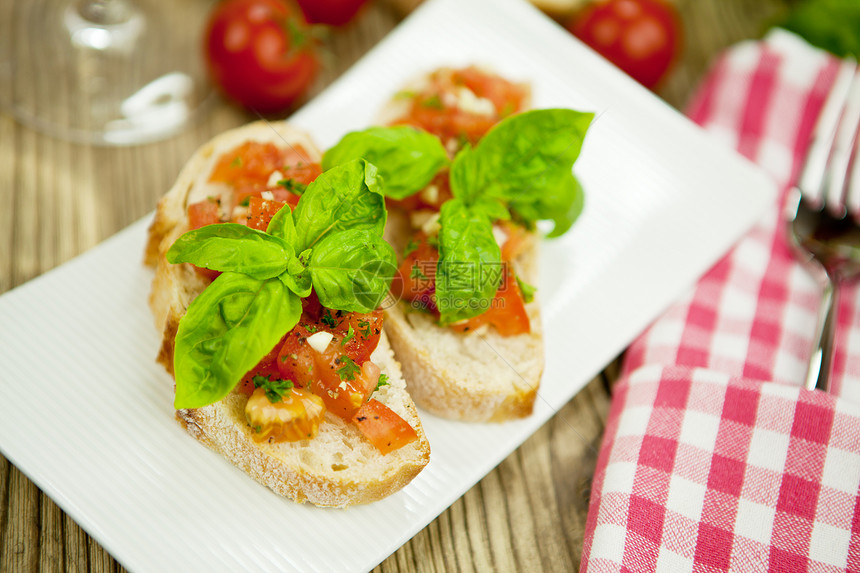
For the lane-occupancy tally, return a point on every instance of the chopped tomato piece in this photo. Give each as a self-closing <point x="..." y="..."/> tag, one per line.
<point x="342" y="374"/>
<point x="462" y="105"/>
<point x="252" y="163"/>
<point x="507" y="310"/>
<point x="301" y="172"/>
<point x="202" y="213"/>
<point x="383" y="427"/>
<point x="515" y="240"/>
<point x="416" y="277"/>
<point x="431" y="197"/>
<point x="261" y="211"/>
<point x="507" y="97"/>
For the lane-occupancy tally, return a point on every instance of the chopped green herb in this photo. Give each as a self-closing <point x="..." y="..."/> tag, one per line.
<point x="411" y="247"/>
<point x="349" y="334"/>
<point x="433" y="241"/>
<point x="383" y="381"/>
<point x="433" y="102"/>
<point x="364" y="328"/>
<point x="293" y="186"/>
<point x="349" y="368"/>
<point x="527" y="290"/>
<point x="310" y="328"/>
<point x="328" y="320"/>
<point x="274" y="389"/>
<point x="246" y="202"/>
<point x="237" y="162"/>
<point x="405" y="94"/>
<point x="417" y="274"/>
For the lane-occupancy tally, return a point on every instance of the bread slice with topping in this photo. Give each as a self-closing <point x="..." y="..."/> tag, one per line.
<point x="478" y="376"/>
<point x="339" y="466"/>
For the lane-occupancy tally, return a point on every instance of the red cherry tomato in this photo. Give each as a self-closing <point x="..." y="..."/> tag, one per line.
<point x="641" y="37"/>
<point x="260" y="54"/>
<point x="332" y="12"/>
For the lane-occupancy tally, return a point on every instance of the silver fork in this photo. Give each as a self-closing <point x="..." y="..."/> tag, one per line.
<point x="823" y="212"/>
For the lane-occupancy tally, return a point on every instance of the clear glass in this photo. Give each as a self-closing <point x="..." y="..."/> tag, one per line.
<point x="109" y="72"/>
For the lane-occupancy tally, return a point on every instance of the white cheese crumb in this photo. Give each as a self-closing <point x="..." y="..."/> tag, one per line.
<point x="499" y="235"/>
<point x="319" y="341"/>
<point x="469" y="102"/>
<point x="274" y="178"/>
<point x="267" y="195"/>
<point x="430" y="194"/>
<point x="431" y="226"/>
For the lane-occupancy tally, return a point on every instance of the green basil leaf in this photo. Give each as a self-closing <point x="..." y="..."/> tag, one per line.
<point x="352" y="270"/>
<point x="493" y="208"/>
<point x="344" y="197"/>
<point x="563" y="206"/>
<point x="229" y="247"/>
<point x="282" y="226"/>
<point x="227" y="330"/>
<point x="407" y="158"/>
<point x="470" y="264"/>
<point x="526" y="159"/>
<point x="828" y="24"/>
<point x="297" y="278"/>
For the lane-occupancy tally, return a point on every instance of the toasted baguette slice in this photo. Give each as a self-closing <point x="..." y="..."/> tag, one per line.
<point x="337" y="468"/>
<point x="479" y="376"/>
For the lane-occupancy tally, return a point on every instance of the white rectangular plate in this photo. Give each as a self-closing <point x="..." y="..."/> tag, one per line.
<point x="86" y="413"/>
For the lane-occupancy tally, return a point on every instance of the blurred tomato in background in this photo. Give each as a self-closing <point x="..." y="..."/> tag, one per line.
<point x="331" y="12"/>
<point x="260" y="53"/>
<point x="642" y="37"/>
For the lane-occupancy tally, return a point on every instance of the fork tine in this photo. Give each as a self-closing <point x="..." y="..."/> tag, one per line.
<point x="837" y="193"/>
<point x="812" y="177"/>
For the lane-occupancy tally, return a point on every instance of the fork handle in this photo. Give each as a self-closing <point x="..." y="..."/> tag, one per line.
<point x="821" y="362"/>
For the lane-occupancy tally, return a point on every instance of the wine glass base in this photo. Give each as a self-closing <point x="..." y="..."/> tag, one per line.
<point x="124" y="76"/>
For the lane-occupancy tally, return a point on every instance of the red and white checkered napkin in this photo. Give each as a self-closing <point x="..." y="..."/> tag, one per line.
<point x="714" y="458"/>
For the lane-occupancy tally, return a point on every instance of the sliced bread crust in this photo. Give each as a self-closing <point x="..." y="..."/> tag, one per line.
<point x="337" y="468"/>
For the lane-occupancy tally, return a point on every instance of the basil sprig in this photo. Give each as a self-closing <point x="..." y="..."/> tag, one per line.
<point x="332" y="243"/>
<point x="525" y="163"/>
<point x="522" y="168"/>
<point x="408" y="158"/>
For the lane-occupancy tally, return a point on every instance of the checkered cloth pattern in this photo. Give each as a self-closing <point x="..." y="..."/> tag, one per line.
<point x="714" y="458"/>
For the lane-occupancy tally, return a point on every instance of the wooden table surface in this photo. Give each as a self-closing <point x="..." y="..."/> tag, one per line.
<point x="528" y="514"/>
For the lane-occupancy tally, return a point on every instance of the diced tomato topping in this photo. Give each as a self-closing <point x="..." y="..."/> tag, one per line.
<point x="515" y="241"/>
<point x="427" y="198"/>
<point x="415" y="282"/>
<point x="507" y="97"/>
<point x="248" y="167"/>
<point x="342" y="375"/>
<point x="416" y="277"/>
<point x="252" y="163"/>
<point x="435" y="109"/>
<point x="261" y="211"/>
<point x="507" y="310"/>
<point x="383" y="427"/>
<point x="201" y="214"/>
<point x="301" y="172"/>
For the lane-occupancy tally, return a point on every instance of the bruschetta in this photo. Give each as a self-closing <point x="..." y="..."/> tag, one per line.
<point x="470" y="172"/>
<point x="268" y="278"/>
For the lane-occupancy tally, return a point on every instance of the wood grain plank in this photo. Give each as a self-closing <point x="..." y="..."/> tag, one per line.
<point x="20" y="544"/>
<point x="75" y="542"/>
<point x="51" y="550"/>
